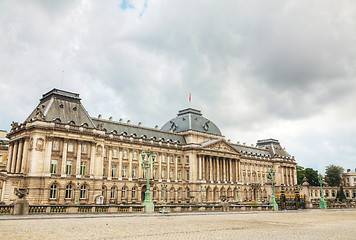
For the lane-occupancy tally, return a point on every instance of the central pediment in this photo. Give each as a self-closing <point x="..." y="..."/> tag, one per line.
<point x="219" y="145"/>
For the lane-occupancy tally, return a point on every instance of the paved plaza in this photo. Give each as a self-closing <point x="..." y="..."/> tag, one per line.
<point x="302" y="224"/>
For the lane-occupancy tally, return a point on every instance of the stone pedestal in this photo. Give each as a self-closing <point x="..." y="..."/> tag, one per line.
<point x="149" y="207"/>
<point x="21" y="207"/>
<point x="225" y="206"/>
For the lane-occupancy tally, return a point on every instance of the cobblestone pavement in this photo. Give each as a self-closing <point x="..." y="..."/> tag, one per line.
<point x="302" y="224"/>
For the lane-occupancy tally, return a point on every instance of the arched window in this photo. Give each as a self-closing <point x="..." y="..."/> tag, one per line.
<point x="83" y="192"/>
<point x="112" y="195"/>
<point x="69" y="191"/>
<point x="123" y="193"/>
<point x="171" y="193"/>
<point x="188" y="193"/>
<point x="53" y="191"/>
<point x="133" y="193"/>
<point x="154" y="193"/>
<point x="179" y="193"/>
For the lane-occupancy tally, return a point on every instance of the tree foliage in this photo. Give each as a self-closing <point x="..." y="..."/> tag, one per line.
<point x="340" y="196"/>
<point x="333" y="175"/>
<point x="309" y="173"/>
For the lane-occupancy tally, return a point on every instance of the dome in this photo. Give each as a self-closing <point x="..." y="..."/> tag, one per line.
<point x="191" y="119"/>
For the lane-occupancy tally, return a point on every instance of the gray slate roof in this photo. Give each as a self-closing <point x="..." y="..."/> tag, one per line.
<point x="61" y="106"/>
<point x="129" y="130"/>
<point x="191" y="119"/>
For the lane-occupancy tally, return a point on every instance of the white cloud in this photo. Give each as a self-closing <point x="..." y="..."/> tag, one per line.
<point x="280" y="69"/>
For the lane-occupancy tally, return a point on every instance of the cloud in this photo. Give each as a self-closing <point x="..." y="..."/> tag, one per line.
<point x="280" y="69"/>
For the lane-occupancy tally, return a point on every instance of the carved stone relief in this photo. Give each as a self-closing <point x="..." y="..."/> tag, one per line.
<point x="39" y="144"/>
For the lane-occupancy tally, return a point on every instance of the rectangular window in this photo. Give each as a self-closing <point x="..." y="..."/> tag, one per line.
<point x="69" y="191"/>
<point x="171" y="174"/>
<point x="187" y="175"/>
<point x="123" y="171"/>
<point x="133" y="193"/>
<point x="55" y="145"/>
<point x="104" y="169"/>
<point x="187" y="160"/>
<point x="171" y="159"/>
<point x="112" y="195"/>
<point x="113" y="171"/>
<point x="154" y="173"/>
<point x="163" y="158"/>
<point x="82" y="168"/>
<point x="134" y="171"/>
<point x="178" y="159"/>
<point x="54" y="166"/>
<point x="114" y="153"/>
<point x="124" y="155"/>
<point x="70" y="147"/>
<point x="135" y="155"/>
<point x="69" y="167"/>
<point x="163" y="173"/>
<point x="179" y="175"/>
<point x="84" y="148"/>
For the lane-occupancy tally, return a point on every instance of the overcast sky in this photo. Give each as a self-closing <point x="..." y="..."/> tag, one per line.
<point x="258" y="69"/>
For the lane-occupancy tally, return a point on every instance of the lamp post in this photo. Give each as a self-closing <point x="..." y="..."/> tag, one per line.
<point x="203" y="189"/>
<point x="271" y="174"/>
<point x="77" y="198"/>
<point x="164" y="188"/>
<point x="322" y="202"/>
<point x="146" y="160"/>
<point x="239" y="194"/>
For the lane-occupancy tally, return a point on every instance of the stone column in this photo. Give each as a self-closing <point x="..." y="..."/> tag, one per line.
<point x="9" y="161"/>
<point x="140" y="173"/>
<point x="14" y="154"/>
<point x="210" y="168"/>
<point x="283" y="180"/>
<point x="240" y="172"/>
<point x="19" y="157"/>
<point x="175" y="159"/>
<point x="120" y="163"/>
<point x="48" y="156"/>
<point x="230" y="165"/>
<point x="168" y="160"/>
<point x="130" y="152"/>
<point x="218" y="169"/>
<point x="159" y="157"/>
<point x="64" y="157"/>
<point x="203" y="167"/>
<point x="109" y="163"/>
<point x="79" y="155"/>
<point x="224" y="169"/>
<point x="200" y="168"/>
<point x="92" y="159"/>
<point x="24" y="156"/>
<point x="295" y="176"/>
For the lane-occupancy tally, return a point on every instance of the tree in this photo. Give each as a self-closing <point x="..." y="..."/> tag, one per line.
<point x="340" y="196"/>
<point x="309" y="173"/>
<point x="300" y="175"/>
<point x="333" y="175"/>
<point x="312" y="176"/>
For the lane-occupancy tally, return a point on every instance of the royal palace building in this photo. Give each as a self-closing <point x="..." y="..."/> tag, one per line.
<point x="61" y="154"/>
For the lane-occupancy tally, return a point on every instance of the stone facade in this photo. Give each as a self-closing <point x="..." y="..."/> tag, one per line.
<point x="60" y="154"/>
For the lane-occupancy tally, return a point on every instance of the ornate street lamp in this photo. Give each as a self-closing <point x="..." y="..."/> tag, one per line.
<point x="239" y="194"/>
<point x="146" y="160"/>
<point x="322" y="202"/>
<point x="271" y="174"/>
<point x="164" y="188"/>
<point x="203" y="191"/>
<point x="77" y="198"/>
